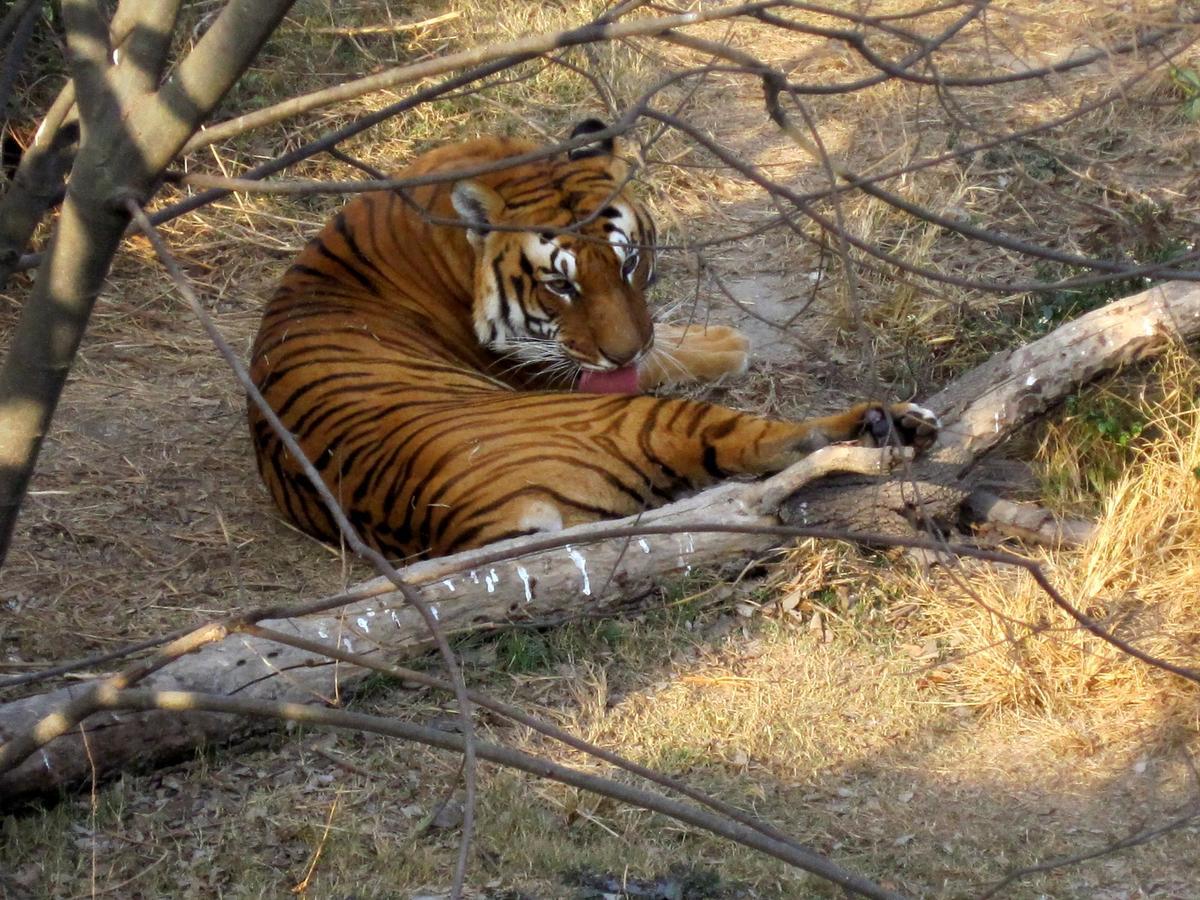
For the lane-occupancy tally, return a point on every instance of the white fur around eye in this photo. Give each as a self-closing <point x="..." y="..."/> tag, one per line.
<point x="552" y="261"/>
<point x="625" y="236"/>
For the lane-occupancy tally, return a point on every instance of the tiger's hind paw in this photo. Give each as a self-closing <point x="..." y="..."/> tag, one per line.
<point x="900" y="424"/>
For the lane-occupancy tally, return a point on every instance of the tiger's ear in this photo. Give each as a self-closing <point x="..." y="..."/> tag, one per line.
<point x="478" y="205"/>
<point x="617" y="167"/>
<point x="600" y="148"/>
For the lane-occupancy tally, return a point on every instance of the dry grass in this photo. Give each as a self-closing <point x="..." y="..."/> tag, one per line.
<point x="933" y="732"/>
<point x="1138" y="576"/>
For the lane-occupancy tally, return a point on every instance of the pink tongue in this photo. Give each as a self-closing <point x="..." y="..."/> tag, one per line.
<point x="616" y="381"/>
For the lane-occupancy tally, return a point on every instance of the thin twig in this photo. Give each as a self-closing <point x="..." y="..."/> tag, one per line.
<point x="1125" y="843"/>
<point x="592" y="32"/>
<point x="393" y="28"/>
<point x="87" y="662"/>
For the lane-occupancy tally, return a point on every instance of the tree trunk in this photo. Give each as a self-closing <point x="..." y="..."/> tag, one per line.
<point x="131" y="130"/>
<point x="476" y="590"/>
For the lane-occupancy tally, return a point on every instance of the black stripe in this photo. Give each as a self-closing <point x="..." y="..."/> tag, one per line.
<point x="339" y="224"/>
<point x="709" y="459"/>
<point x="282" y="409"/>
<point x="649" y="425"/>
<point x="505" y="311"/>
<point x="352" y="271"/>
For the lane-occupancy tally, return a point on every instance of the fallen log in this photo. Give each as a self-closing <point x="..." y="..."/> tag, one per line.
<point x="510" y="582"/>
<point x="479" y="589"/>
<point x="985" y="406"/>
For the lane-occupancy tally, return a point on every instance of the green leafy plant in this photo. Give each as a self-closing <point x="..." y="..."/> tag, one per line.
<point x="1187" y="80"/>
<point x="522" y="652"/>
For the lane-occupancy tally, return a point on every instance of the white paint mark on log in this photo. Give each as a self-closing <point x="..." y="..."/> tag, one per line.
<point x="645" y="546"/>
<point x="581" y="564"/>
<point x="363" y="623"/>
<point x="450" y="584"/>
<point x="524" y="576"/>
<point x="684" y="546"/>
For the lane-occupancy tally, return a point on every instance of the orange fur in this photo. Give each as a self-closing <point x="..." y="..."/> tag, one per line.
<point x="416" y="362"/>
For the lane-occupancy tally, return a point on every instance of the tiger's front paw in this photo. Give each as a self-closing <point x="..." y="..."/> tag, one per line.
<point x="685" y="354"/>
<point x="900" y="424"/>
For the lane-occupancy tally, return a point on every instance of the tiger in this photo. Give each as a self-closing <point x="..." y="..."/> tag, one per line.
<point x="472" y="359"/>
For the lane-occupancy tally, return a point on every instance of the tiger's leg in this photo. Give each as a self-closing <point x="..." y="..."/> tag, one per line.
<point x="712" y="442"/>
<point x="684" y="354"/>
<point x="584" y="458"/>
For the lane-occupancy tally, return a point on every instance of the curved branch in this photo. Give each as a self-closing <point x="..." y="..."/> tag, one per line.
<point x="773" y="85"/>
<point x="202" y="78"/>
<point x="539" y="725"/>
<point x="775" y="189"/>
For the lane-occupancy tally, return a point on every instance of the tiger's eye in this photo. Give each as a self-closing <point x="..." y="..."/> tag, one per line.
<point x="630" y="265"/>
<point x="561" y="286"/>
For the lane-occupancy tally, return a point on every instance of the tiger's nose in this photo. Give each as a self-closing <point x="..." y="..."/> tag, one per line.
<point x="622" y="357"/>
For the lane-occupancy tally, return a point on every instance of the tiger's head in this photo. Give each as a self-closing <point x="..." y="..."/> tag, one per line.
<point x="563" y="257"/>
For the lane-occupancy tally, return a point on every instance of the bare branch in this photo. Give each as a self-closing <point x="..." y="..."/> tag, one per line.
<point x="202" y="78"/>
<point x="903" y="71"/>
<point x="14" y="55"/>
<point x="393" y="28"/>
<point x="1138" y="838"/>
<point x="90" y="57"/>
<point x="141" y="59"/>
<point x="38" y="182"/>
<point x="144" y="133"/>
<point x="14" y="17"/>
<point x="772" y="88"/>
<point x="542" y="727"/>
<point x="984" y="407"/>
<point x="752" y="172"/>
<point x="1025" y="521"/>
